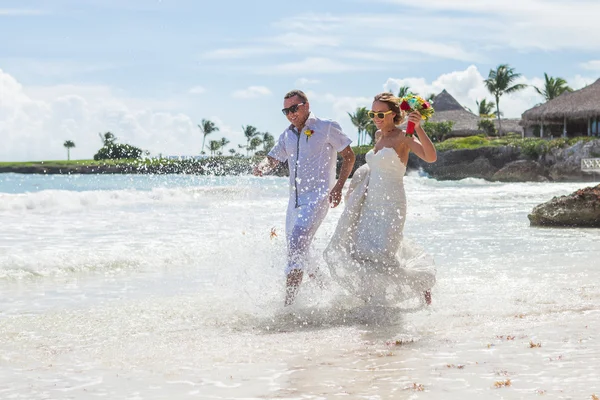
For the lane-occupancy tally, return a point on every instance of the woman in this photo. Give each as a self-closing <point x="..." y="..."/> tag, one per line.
<point x="367" y="254"/>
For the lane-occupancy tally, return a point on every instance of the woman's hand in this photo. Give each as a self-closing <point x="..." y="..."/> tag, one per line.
<point x="415" y="118"/>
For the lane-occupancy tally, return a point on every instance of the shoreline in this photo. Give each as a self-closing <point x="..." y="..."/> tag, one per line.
<point x="506" y="163"/>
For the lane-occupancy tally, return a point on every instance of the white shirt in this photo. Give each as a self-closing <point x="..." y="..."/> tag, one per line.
<point x="312" y="160"/>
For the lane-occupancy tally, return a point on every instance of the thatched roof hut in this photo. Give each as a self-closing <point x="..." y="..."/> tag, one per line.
<point x="447" y="108"/>
<point x="580" y="104"/>
<point x="577" y="111"/>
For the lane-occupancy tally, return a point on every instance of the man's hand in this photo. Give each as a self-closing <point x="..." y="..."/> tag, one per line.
<point x="265" y="166"/>
<point x="257" y="171"/>
<point x="335" y="196"/>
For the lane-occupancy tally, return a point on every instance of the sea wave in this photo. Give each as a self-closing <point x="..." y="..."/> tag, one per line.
<point x="66" y="200"/>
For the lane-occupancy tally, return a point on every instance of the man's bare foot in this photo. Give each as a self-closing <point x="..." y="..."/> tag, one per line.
<point x="292" y="285"/>
<point x="428" y="297"/>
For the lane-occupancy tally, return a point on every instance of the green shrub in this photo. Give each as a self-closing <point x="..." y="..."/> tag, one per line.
<point x="112" y="151"/>
<point x="438" y="131"/>
<point x="469" y="142"/>
<point x="487" y="126"/>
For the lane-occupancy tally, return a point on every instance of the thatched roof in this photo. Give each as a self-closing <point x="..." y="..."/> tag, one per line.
<point x="447" y="108"/>
<point x="582" y="103"/>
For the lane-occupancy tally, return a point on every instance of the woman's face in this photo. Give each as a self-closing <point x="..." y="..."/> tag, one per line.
<point x="380" y="109"/>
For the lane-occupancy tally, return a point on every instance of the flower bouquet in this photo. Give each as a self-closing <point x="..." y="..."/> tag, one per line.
<point x="412" y="103"/>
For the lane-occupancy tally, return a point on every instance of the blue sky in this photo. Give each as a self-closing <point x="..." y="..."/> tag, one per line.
<point x="149" y="71"/>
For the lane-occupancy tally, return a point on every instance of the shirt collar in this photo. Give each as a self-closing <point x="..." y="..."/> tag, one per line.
<point x="309" y="121"/>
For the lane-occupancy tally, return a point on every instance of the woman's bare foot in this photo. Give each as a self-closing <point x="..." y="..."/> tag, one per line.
<point x="428" y="297"/>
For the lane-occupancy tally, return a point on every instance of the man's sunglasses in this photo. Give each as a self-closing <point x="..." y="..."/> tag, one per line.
<point x="292" y="109"/>
<point x="380" y="115"/>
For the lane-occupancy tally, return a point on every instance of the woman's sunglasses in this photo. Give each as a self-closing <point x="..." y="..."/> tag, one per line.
<point x="292" y="109"/>
<point x="380" y="115"/>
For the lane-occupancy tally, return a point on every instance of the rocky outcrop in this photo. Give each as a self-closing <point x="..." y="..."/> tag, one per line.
<point x="521" y="171"/>
<point x="581" y="208"/>
<point x="565" y="164"/>
<point x="481" y="163"/>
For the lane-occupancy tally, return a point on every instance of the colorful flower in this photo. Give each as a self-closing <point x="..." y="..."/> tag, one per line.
<point x="308" y="133"/>
<point x="412" y="103"/>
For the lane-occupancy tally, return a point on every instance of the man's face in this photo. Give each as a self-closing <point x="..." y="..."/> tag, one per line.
<point x="297" y="110"/>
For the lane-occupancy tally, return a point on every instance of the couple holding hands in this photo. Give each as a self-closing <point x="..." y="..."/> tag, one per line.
<point x="367" y="254"/>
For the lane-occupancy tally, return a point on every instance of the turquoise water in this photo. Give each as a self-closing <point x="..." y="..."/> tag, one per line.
<point x="138" y="286"/>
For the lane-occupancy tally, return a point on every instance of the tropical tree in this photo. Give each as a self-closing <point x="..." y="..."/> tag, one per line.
<point x="403" y="91"/>
<point x="486" y="108"/>
<point x="107" y="138"/>
<point x="224" y="142"/>
<point x="501" y="81"/>
<point x="553" y="87"/>
<point x="268" y="141"/>
<point x="232" y="152"/>
<point x="255" y="143"/>
<point x="114" y="151"/>
<point x="249" y="132"/>
<point x="213" y="146"/>
<point x="69" y="144"/>
<point x="360" y="119"/>
<point x="207" y="127"/>
<point x="370" y="130"/>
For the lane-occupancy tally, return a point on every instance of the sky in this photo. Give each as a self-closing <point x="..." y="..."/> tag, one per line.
<point x="150" y="70"/>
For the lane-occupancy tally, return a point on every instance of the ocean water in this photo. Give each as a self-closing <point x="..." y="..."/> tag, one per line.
<point x="154" y="287"/>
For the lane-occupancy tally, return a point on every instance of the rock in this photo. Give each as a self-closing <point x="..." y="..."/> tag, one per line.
<point x="581" y="208"/>
<point x="521" y="171"/>
<point x="565" y="164"/>
<point x="481" y="163"/>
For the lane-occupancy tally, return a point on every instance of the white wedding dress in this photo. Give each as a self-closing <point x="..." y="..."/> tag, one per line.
<point x="368" y="255"/>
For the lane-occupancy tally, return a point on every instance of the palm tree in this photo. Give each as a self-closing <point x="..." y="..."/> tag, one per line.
<point x="254" y="143"/>
<point x="268" y="141"/>
<point x="214" y="145"/>
<point x="553" y="87"/>
<point x="224" y="142"/>
<point x="207" y="127"/>
<point x="371" y="129"/>
<point x="500" y="82"/>
<point x="107" y="138"/>
<point x="403" y="91"/>
<point x="232" y="152"/>
<point x="486" y="108"/>
<point x="249" y="132"/>
<point x="360" y="119"/>
<point x="69" y="144"/>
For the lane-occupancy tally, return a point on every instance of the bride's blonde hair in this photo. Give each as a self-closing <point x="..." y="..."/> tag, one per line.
<point x="394" y="103"/>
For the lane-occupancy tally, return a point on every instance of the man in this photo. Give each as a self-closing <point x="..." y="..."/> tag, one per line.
<point x="310" y="146"/>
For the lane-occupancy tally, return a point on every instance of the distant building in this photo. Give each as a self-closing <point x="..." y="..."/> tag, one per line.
<point x="571" y="114"/>
<point x="447" y="108"/>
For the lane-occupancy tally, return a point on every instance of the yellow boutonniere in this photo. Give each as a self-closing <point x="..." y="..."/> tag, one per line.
<point x="308" y="133"/>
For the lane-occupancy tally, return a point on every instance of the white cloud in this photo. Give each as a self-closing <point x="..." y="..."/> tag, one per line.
<point x="35" y="122"/>
<point x="307" y="42"/>
<point x="518" y="24"/>
<point x="197" y="90"/>
<point x="306" y="81"/>
<point x="251" y="92"/>
<point x="313" y="65"/>
<point x="243" y="52"/>
<point x="61" y="68"/>
<point x="467" y="87"/>
<point x="593" y="65"/>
